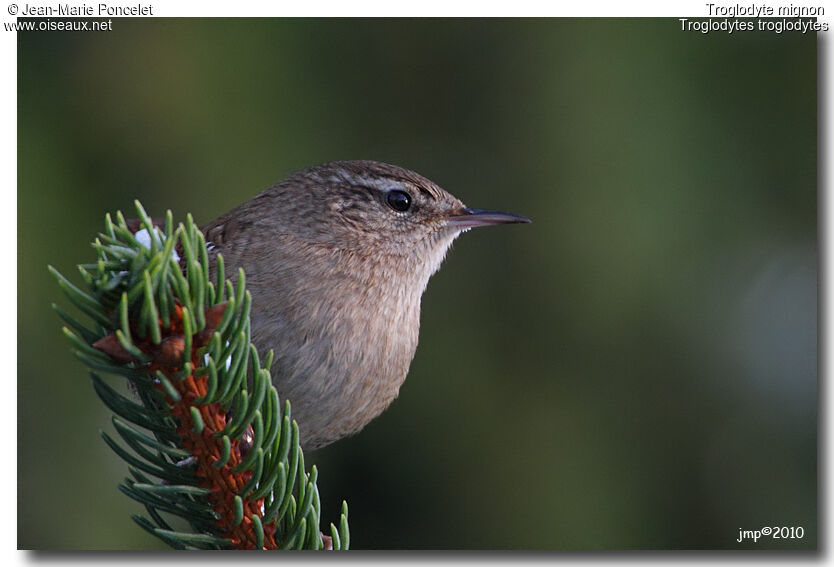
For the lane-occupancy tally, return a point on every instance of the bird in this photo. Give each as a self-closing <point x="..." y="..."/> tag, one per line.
<point x="337" y="257"/>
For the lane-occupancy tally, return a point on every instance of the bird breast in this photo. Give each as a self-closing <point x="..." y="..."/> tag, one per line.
<point x="344" y="331"/>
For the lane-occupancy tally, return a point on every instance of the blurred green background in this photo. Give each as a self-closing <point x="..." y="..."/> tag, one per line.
<point x="636" y="369"/>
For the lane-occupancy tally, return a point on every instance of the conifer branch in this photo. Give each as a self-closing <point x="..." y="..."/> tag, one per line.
<point x="206" y="438"/>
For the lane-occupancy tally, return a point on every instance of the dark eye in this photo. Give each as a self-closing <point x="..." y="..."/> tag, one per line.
<point x="398" y="200"/>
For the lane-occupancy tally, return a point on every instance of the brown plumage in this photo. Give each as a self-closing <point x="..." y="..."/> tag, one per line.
<point x="337" y="257"/>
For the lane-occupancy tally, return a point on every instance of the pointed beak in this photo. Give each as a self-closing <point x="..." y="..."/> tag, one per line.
<point x="468" y="218"/>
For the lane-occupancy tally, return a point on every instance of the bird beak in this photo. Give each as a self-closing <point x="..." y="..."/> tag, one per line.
<point x="468" y="218"/>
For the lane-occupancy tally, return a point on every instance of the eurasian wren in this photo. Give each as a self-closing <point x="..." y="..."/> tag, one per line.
<point x="337" y="257"/>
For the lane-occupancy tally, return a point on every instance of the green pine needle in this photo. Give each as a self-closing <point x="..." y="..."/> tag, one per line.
<point x="153" y="316"/>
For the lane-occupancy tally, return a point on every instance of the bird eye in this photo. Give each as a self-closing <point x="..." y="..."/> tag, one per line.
<point x="398" y="200"/>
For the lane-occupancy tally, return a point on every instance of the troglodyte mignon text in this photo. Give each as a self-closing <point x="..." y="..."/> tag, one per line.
<point x="337" y="257"/>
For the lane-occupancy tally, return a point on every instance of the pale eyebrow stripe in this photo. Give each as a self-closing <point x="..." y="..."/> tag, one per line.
<point x="427" y="193"/>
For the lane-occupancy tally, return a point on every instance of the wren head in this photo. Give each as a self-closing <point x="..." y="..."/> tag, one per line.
<point x="373" y="209"/>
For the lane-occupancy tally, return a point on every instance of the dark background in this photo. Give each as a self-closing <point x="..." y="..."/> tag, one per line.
<point x="636" y="369"/>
